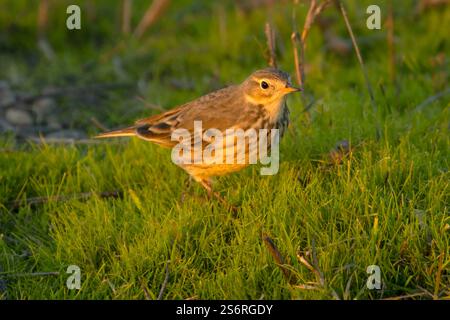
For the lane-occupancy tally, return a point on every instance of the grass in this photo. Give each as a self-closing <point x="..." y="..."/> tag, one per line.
<point x="385" y="204"/>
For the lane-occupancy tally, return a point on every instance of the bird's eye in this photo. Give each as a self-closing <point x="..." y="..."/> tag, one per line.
<point x="264" y="85"/>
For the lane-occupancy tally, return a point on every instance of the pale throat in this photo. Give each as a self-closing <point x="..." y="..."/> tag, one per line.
<point x="272" y="107"/>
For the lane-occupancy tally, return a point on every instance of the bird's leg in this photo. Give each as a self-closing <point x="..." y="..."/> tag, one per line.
<point x="187" y="186"/>
<point x="206" y="183"/>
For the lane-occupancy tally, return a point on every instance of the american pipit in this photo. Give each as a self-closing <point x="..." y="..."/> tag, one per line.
<point x="257" y="103"/>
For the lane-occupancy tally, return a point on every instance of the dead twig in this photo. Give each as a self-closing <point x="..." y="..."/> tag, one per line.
<point x="426" y="292"/>
<point x="314" y="268"/>
<point x="110" y="284"/>
<point x="277" y="256"/>
<point x="151" y="105"/>
<point x="314" y="11"/>
<point x="42" y="22"/>
<point x="306" y="263"/>
<point x="126" y="16"/>
<point x="315" y="262"/>
<point x="346" y="294"/>
<point x="438" y="276"/>
<point x="295" y="41"/>
<point x="358" y="54"/>
<point x="14" y="205"/>
<point x="306" y="287"/>
<point x="299" y="42"/>
<point x="361" y="63"/>
<point x="146" y="293"/>
<point x="270" y="36"/>
<point x="151" y="16"/>
<point x="296" y="45"/>
<point x="42" y="18"/>
<point x="164" y="285"/>
<point x="98" y="124"/>
<point x="390" y="42"/>
<point x="319" y="273"/>
<point x="407" y="296"/>
<point x="3" y="286"/>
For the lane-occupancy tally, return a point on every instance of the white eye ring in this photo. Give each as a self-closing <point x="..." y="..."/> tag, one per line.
<point x="264" y="85"/>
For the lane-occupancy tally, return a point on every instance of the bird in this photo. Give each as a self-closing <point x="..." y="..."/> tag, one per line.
<point x="259" y="102"/>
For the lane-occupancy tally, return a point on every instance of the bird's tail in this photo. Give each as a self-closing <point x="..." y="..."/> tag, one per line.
<point x="127" y="132"/>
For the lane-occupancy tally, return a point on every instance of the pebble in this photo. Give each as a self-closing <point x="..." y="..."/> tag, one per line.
<point x="42" y="108"/>
<point x="18" y="117"/>
<point x="53" y="123"/>
<point x="6" y="95"/>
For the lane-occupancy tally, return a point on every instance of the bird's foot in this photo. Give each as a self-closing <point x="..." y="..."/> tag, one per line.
<point x="223" y="201"/>
<point x="212" y="194"/>
<point x="186" y="189"/>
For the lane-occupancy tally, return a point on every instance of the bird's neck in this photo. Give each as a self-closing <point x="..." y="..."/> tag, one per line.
<point x="274" y="109"/>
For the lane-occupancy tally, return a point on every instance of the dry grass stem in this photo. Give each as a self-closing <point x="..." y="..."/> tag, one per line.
<point x="98" y="124"/>
<point x="42" y="18"/>
<point x="390" y="42"/>
<point x="358" y="55"/>
<point x="299" y="42"/>
<point x="126" y="16"/>
<point x="166" y="280"/>
<point x="279" y="259"/>
<point x="270" y="36"/>
<point x="151" y="16"/>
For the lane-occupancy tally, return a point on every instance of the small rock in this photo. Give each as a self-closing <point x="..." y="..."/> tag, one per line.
<point x="53" y="123"/>
<point x="7" y="97"/>
<point x="4" y="85"/>
<point x="340" y="151"/>
<point x="42" y="108"/>
<point x="343" y="146"/>
<point x="18" y="117"/>
<point x="5" y="126"/>
<point x="67" y="134"/>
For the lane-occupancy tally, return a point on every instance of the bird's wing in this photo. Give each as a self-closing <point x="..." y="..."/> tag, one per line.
<point x="219" y="109"/>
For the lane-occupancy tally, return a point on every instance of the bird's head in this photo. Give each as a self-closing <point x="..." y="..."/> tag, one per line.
<point x="267" y="85"/>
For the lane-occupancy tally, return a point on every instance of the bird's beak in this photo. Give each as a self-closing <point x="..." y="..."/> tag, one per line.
<point x="289" y="88"/>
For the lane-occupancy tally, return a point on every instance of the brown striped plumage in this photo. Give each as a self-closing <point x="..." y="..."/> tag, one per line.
<point x="259" y="103"/>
